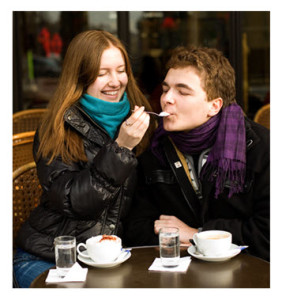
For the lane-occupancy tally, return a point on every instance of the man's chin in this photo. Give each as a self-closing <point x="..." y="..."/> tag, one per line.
<point x="169" y="127"/>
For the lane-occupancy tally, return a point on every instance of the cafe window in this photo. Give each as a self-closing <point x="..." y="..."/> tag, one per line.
<point x="256" y="60"/>
<point x="42" y="38"/>
<point x="155" y="34"/>
<point x="243" y="37"/>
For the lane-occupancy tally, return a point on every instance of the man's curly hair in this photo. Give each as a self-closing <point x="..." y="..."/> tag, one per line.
<point x="216" y="72"/>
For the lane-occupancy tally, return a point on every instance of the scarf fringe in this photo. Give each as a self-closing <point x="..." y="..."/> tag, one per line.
<point x="225" y="171"/>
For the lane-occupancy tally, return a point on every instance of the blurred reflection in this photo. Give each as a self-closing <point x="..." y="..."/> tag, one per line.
<point x="256" y="55"/>
<point x="45" y="38"/>
<point x="110" y="277"/>
<point x="154" y="34"/>
<point x="219" y="274"/>
<point x="169" y="279"/>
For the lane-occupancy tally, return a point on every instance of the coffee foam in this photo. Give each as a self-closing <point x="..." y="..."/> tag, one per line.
<point x="216" y="237"/>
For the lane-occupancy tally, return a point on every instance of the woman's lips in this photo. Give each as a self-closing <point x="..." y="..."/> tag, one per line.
<point x="110" y="93"/>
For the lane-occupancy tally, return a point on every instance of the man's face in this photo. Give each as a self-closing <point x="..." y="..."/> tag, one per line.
<point x="184" y="98"/>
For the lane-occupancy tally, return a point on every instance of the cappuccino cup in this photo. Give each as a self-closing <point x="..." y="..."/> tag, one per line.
<point x="101" y="248"/>
<point x="213" y="242"/>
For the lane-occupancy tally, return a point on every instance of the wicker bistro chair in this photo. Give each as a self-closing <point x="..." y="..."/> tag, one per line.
<point x="22" y="149"/>
<point x="26" y="194"/>
<point x="262" y="116"/>
<point x="27" y="120"/>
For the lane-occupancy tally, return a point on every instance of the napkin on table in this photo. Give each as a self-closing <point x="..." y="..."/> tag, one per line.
<point x="184" y="263"/>
<point x="75" y="274"/>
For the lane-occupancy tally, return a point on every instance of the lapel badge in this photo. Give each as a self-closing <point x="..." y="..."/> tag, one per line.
<point x="177" y="164"/>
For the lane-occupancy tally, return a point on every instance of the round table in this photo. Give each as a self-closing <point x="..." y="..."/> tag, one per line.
<point x="242" y="271"/>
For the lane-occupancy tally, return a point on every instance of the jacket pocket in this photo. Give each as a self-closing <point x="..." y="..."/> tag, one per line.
<point x="160" y="176"/>
<point x="246" y="188"/>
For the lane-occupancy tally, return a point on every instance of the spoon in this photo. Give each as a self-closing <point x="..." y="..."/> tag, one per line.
<point x="161" y="114"/>
<point x="122" y="254"/>
<point x="199" y="253"/>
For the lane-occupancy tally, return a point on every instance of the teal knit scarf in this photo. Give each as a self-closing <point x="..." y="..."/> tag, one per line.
<point x="109" y="115"/>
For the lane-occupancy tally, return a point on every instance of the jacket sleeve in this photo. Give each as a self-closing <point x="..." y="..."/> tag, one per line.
<point x="139" y="224"/>
<point x="84" y="190"/>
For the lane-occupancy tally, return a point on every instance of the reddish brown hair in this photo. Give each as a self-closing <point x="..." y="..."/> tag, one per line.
<point x="80" y="69"/>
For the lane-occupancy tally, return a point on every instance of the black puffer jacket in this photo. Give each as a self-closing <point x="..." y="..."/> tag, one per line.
<point x="83" y="199"/>
<point x="246" y="215"/>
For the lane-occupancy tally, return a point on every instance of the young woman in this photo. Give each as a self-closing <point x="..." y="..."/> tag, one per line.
<point x="85" y="151"/>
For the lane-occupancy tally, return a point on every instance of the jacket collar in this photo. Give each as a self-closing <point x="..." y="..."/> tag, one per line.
<point x="251" y="137"/>
<point x="77" y="118"/>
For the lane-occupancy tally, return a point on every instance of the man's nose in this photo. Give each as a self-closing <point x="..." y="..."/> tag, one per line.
<point x="168" y="97"/>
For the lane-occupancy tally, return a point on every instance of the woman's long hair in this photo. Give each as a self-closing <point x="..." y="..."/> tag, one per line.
<point x="80" y="69"/>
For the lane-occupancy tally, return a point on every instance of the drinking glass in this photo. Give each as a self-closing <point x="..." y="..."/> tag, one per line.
<point x="65" y="253"/>
<point x="169" y="246"/>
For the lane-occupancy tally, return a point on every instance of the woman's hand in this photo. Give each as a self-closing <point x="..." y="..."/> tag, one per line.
<point x="185" y="232"/>
<point x="133" y="129"/>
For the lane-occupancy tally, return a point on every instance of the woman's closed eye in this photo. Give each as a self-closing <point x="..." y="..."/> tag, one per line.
<point x="121" y="71"/>
<point x="100" y="74"/>
<point x="103" y="73"/>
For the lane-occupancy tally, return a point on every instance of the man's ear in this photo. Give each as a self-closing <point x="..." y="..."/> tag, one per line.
<point x="215" y="106"/>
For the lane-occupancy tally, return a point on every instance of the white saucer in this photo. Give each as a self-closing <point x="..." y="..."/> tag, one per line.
<point x="90" y="262"/>
<point x="234" y="250"/>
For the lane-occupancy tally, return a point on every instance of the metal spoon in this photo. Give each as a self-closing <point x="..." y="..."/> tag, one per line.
<point x="199" y="253"/>
<point x="161" y="114"/>
<point x="122" y="254"/>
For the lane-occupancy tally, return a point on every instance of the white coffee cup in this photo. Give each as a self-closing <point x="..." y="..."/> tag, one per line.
<point x="101" y="248"/>
<point x="213" y="242"/>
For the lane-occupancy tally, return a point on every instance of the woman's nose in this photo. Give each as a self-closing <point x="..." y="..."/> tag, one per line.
<point x="114" y="81"/>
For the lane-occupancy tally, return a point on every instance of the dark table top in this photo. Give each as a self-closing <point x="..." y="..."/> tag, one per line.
<point x="242" y="271"/>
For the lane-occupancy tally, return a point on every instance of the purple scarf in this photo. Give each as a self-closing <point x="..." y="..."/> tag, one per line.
<point x="225" y="135"/>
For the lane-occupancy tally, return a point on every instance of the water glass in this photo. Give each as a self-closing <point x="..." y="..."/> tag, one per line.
<point x="65" y="253"/>
<point x="169" y="246"/>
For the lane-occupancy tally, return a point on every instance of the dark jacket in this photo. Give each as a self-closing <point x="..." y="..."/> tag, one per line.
<point x="81" y="199"/>
<point x="246" y="215"/>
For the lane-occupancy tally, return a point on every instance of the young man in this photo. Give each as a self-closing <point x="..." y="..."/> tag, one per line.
<point x="208" y="165"/>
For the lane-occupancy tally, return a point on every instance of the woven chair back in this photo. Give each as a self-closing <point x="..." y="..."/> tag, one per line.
<point x="22" y="149"/>
<point x="26" y="194"/>
<point x="263" y="116"/>
<point x="27" y="120"/>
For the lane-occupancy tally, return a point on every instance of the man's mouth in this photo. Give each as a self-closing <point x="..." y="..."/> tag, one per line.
<point x="170" y="114"/>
